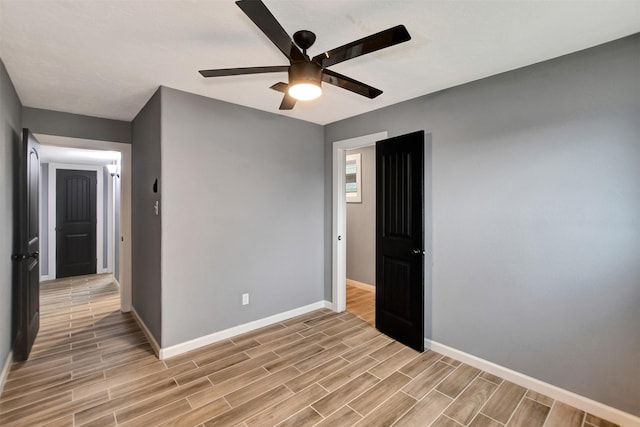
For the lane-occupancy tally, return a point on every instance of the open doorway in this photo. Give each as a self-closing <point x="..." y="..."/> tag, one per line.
<point x="403" y="233"/>
<point x="339" y="235"/>
<point x="78" y="219"/>
<point x="360" y="189"/>
<point x="113" y="205"/>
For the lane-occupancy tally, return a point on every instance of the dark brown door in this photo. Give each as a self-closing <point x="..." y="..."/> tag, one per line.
<point x="75" y="222"/>
<point x="400" y="238"/>
<point x="26" y="265"/>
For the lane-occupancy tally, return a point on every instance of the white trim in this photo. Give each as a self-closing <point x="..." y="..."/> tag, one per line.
<point x="52" y="202"/>
<point x="40" y="227"/>
<point x="154" y="344"/>
<point x="583" y="403"/>
<point x="184" y="347"/>
<point x="124" y="240"/>
<point x="5" y="370"/>
<point x="339" y="217"/>
<point x="361" y="285"/>
<point x="45" y="278"/>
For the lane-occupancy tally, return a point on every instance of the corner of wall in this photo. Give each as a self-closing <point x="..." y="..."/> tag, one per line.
<point x="146" y="225"/>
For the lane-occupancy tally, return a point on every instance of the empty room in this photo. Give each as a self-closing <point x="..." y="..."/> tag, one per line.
<point x="296" y="213"/>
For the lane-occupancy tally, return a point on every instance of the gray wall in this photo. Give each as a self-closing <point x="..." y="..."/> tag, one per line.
<point x="536" y="217"/>
<point x="44" y="219"/>
<point x="146" y="226"/>
<point x="242" y="212"/>
<point x="106" y="176"/>
<point x="361" y="223"/>
<point x="116" y="229"/>
<point x="10" y="137"/>
<point x="75" y="125"/>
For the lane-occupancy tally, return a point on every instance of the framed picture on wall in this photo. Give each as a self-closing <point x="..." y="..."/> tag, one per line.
<point x="353" y="179"/>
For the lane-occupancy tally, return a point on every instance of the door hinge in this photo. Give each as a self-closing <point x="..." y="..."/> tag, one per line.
<point x="20" y="257"/>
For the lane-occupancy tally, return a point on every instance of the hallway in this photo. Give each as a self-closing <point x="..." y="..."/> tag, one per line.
<point x="85" y="345"/>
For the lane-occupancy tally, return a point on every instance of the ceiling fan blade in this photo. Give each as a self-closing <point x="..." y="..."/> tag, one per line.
<point x="280" y="87"/>
<point x="381" y="40"/>
<point x="348" y="83"/>
<point x="260" y="15"/>
<point x="239" y="71"/>
<point x="288" y="102"/>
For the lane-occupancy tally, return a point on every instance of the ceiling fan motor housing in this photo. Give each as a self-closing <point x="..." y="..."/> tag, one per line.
<point x="304" y="39"/>
<point x="305" y="72"/>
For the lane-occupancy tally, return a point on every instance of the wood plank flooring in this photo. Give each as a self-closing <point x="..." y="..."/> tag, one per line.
<point x="362" y="303"/>
<point x="91" y="366"/>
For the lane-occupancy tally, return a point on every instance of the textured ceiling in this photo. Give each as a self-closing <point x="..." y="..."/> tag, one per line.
<point x="105" y="58"/>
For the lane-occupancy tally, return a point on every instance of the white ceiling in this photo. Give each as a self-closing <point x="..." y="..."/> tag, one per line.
<point x="105" y="58"/>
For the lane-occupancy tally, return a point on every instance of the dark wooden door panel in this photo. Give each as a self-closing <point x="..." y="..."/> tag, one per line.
<point x="396" y="176"/>
<point x="26" y="269"/>
<point x="75" y="222"/>
<point x="397" y="298"/>
<point x="400" y="238"/>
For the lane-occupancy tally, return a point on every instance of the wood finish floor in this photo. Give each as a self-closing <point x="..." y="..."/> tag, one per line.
<point x="362" y="303"/>
<point x="91" y="366"/>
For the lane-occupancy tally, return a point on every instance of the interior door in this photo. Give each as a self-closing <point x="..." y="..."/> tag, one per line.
<point x="75" y="222"/>
<point x="400" y="238"/>
<point x="26" y="266"/>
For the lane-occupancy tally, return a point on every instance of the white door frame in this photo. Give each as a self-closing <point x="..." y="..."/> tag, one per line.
<point x="339" y="217"/>
<point x="52" y="214"/>
<point x="125" y="201"/>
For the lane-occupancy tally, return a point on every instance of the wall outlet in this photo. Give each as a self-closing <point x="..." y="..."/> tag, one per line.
<point x="245" y="299"/>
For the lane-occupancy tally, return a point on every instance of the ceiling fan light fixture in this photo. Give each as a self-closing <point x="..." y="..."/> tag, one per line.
<point x="305" y="91"/>
<point x="304" y="81"/>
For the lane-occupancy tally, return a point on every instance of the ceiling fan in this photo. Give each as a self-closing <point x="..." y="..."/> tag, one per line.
<point x="305" y="73"/>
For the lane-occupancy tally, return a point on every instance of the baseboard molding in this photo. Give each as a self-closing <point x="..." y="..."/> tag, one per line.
<point x="361" y="285"/>
<point x="45" y="278"/>
<point x="5" y="370"/>
<point x="193" y="344"/>
<point x="147" y="333"/>
<point x="583" y="403"/>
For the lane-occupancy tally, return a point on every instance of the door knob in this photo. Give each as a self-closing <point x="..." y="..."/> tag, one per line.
<point x="417" y="251"/>
<point x="35" y="255"/>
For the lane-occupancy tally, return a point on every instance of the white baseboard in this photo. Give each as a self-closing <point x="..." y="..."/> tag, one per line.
<point x="583" y="403"/>
<point x="184" y="347"/>
<point x="361" y="285"/>
<point x="45" y="278"/>
<point x="147" y="333"/>
<point x="5" y="371"/>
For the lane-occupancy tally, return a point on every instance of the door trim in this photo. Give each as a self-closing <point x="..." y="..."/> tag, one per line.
<point x="125" y="201"/>
<point x="52" y="218"/>
<point x="339" y="216"/>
